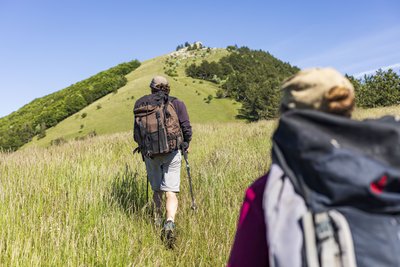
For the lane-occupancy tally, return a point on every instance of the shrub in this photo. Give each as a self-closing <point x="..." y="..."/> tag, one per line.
<point x="84" y="115"/>
<point x="220" y="93"/>
<point x="41" y="129"/>
<point x="92" y="134"/>
<point x="58" y="141"/>
<point x="216" y="79"/>
<point x="171" y="73"/>
<point x="41" y="135"/>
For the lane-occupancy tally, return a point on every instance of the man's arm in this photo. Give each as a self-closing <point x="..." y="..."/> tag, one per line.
<point x="184" y="121"/>
<point x="136" y="132"/>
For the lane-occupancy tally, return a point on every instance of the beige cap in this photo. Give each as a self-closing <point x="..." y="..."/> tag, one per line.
<point x="158" y="80"/>
<point x="309" y="89"/>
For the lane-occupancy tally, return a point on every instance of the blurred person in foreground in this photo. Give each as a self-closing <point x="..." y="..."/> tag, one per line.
<point x="330" y="177"/>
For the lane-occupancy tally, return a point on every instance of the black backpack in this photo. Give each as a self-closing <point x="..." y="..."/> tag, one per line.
<point x="348" y="173"/>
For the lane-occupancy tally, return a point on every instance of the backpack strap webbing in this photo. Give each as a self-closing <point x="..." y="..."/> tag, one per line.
<point x="330" y="254"/>
<point x="309" y="240"/>
<point x="298" y="184"/>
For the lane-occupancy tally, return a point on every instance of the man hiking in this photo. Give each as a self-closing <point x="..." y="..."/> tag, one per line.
<point x="161" y="128"/>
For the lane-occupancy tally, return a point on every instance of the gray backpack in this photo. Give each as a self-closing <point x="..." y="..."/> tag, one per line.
<point x="341" y="178"/>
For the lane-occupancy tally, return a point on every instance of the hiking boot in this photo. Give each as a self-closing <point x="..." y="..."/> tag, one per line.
<point x="168" y="234"/>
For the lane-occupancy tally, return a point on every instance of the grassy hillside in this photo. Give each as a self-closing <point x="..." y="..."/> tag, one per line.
<point x="34" y="118"/>
<point x="113" y="113"/>
<point x="83" y="203"/>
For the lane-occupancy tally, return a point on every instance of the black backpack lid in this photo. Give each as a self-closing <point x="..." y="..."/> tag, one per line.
<point x="342" y="161"/>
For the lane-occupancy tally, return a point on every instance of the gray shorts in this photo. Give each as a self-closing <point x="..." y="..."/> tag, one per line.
<point x="164" y="171"/>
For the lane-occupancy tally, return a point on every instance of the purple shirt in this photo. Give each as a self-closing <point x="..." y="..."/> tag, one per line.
<point x="183" y="117"/>
<point x="250" y="246"/>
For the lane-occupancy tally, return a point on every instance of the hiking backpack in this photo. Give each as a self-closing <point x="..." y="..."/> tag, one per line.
<point x="333" y="193"/>
<point x="158" y="125"/>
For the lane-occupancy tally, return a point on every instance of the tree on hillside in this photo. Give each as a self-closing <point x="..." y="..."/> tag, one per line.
<point x="378" y="90"/>
<point x="262" y="101"/>
<point x="41" y="131"/>
<point x="251" y="77"/>
<point x="231" y="48"/>
<point x="74" y="103"/>
<point x="381" y="89"/>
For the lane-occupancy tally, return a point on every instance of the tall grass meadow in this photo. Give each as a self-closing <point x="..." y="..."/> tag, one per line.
<point x="83" y="203"/>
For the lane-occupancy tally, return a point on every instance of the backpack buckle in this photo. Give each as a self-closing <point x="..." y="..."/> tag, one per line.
<point x="323" y="226"/>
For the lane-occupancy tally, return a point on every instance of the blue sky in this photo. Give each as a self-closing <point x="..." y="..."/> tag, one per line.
<point x="48" y="45"/>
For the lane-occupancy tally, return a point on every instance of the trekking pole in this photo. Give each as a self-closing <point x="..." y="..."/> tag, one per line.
<point x="147" y="189"/>
<point x="193" y="207"/>
<point x="137" y="150"/>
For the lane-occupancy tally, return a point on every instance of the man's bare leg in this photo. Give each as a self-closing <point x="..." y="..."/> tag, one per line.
<point x="171" y="205"/>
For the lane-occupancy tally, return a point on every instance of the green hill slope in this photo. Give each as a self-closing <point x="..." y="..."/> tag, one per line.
<point x="34" y="118"/>
<point x="113" y="113"/>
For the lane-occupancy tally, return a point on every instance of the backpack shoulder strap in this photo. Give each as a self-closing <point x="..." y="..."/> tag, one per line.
<point x="171" y="99"/>
<point x="298" y="184"/>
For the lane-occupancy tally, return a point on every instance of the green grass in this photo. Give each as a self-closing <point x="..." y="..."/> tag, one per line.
<point x="360" y="113"/>
<point x="83" y="203"/>
<point x="116" y="112"/>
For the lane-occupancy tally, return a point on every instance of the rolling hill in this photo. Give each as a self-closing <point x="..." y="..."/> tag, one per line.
<point x="241" y="76"/>
<point x="113" y="113"/>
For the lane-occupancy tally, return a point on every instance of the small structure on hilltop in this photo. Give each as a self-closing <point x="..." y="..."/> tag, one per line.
<point x="184" y="51"/>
